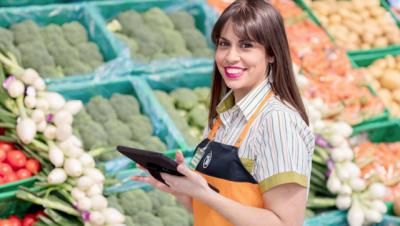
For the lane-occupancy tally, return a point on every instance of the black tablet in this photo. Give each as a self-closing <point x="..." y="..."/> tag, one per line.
<point x="154" y="162"/>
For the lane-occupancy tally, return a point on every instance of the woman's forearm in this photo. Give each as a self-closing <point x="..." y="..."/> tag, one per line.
<point x="186" y="202"/>
<point x="239" y="214"/>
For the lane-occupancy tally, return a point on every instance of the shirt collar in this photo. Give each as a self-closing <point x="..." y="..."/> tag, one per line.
<point x="248" y="104"/>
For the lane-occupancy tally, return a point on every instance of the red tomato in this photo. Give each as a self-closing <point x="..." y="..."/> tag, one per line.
<point x="6" y="146"/>
<point x="5" y="169"/>
<point x="3" y="155"/>
<point x="11" y="177"/>
<point x="40" y="213"/>
<point x="32" y="165"/>
<point x="1" y="180"/>
<point x="23" y="173"/>
<point x="15" y="221"/>
<point x="29" y="220"/>
<point x="5" y="223"/>
<point x="16" y="159"/>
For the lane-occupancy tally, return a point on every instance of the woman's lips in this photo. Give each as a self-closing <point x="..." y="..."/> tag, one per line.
<point x="233" y="72"/>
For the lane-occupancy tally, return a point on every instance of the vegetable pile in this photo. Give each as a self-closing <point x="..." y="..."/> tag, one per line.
<point x="158" y="36"/>
<point x="188" y="108"/>
<point x="153" y="208"/>
<point x="357" y="24"/>
<point x="15" y="165"/>
<point x="54" y="50"/>
<point x="29" y="219"/>
<point x="115" y="121"/>
<point x="69" y="187"/>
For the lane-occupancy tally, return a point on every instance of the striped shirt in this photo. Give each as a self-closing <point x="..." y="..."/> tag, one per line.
<point x="279" y="145"/>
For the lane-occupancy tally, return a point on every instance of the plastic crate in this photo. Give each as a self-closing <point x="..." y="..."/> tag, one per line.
<point x="203" y="14"/>
<point x="4" y="3"/>
<point x="133" y="86"/>
<point x="387" y="7"/>
<point x="168" y="81"/>
<point x="60" y="14"/>
<point x="13" y="186"/>
<point x="10" y="204"/>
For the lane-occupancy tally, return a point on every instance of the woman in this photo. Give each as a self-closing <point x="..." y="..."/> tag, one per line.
<point x="258" y="147"/>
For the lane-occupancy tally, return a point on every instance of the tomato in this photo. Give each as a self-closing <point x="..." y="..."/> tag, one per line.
<point x="15" y="221"/>
<point x="16" y="159"/>
<point x="11" y="177"/>
<point x="5" y="169"/>
<point x="23" y="173"/>
<point x="3" y="155"/>
<point x="6" y="146"/>
<point x="1" y="180"/>
<point x="5" y="223"/>
<point x="29" y="220"/>
<point x="32" y="165"/>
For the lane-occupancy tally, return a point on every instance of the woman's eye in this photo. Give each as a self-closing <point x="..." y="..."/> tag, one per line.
<point x="246" y="45"/>
<point x="223" y="43"/>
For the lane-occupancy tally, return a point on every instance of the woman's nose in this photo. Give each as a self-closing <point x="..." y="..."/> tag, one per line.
<point x="232" y="55"/>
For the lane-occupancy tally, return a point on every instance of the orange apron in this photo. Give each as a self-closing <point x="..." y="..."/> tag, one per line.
<point x="220" y="165"/>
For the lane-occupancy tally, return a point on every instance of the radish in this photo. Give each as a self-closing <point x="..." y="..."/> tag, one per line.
<point x="376" y="191"/>
<point x="29" y="76"/>
<point x="334" y="185"/>
<point x="15" y="88"/>
<point x="343" y="202"/>
<point x="73" y="106"/>
<point x="98" y="202"/>
<point x="50" y="132"/>
<point x="39" y="84"/>
<point x="355" y="216"/>
<point x="55" y="100"/>
<point x="73" y="167"/>
<point x="56" y="156"/>
<point x="113" y="216"/>
<point x="96" y="189"/>
<point x="42" y="104"/>
<point x="26" y="130"/>
<point x="95" y="174"/>
<point x="97" y="218"/>
<point x="57" y="176"/>
<point x="84" y="203"/>
<point x="77" y="194"/>
<point x="63" y="132"/>
<point x="38" y="115"/>
<point x="87" y="160"/>
<point x="30" y="102"/>
<point x="62" y="118"/>
<point x="85" y="183"/>
<point x="357" y="184"/>
<point x="41" y="126"/>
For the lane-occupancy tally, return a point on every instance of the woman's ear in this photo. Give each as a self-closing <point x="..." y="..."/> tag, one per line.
<point x="271" y="60"/>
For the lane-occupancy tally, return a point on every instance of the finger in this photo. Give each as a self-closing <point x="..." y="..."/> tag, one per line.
<point x="186" y="171"/>
<point x="179" y="157"/>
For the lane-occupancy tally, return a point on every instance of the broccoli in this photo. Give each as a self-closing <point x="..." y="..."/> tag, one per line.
<point x="203" y="52"/>
<point x="128" y="143"/>
<point x="203" y="94"/>
<point x="51" y="71"/>
<point x="129" y="221"/>
<point x="156" y="18"/>
<point x="174" y="42"/>
<point x="147" y="219"/>
<point x="130" y="42"/>
<point x="51" y="33"/>
<point x="11" y="49"/>
<point x="198" y="116"/>
<point x="100" y="109"/>
<point x="36" y="46"/>
<point x="36" y="60"/>
<point x="64" y="54"/>
<point x="161" y="56"/>
<point x="125" y="106"/>
<point x="116" y="130"/>
<point x="140" y="126"/>
<point x="160" y="198"/>
<point x="76" y="67"/>
<point x="93" y="135"/>
<point x="148" y="50"/>
<point x="109" y="156"/>
<point x="81" y="117"/>
<point x="153" y="143"/>
<point x="130" y="22"/>
<point x="135" y="201"/>
<point x="173" y="216"/>
<point x="26" y="31"/>
<point x="90" y="54"/>
<point x="182" y="20"/>
<point x="75" y="33"/>
<point x="6" y="36"/>
<point x="114" y="202"/>
<point x="184" y="98"/>
<point x="164" y="98"/>
<point x="194" y="39"/>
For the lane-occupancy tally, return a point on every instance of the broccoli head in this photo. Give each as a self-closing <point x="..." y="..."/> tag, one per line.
<point x="198" y="116"/>
<point x="50" y="71"/>
<point x="203" y="94"/>
<point x="26" y="31"/>
<point x="6" y="36"/>
<point x="174" y="41"/>
<point x="147" y="219"/>
<point x="81" y="117"/>
<point x="173" y="216"/>
<point x="76" y="67"/>
<point x="100" y="109"/>
<point x="184" y="98"/>
<point x="51" y="33"/>
<point x="182" y="20"/>
<point x="89" y="53"/>
<point x="156" y="18"/>
<point x="92" y="134"/>
<point x="11" y="49"/>
<point x="125" y="106"/>
<point x="128" y="143"/>
<point x="153" y="143"/>
<point x="129" y="221"/>
<point x="36" y="60"/>
<point x="130" y="21"/>
<point x="116" y="130"/>
<point x="164" y="98"/>
<point x="135" y="201"/>
<point x="160" y="198"/>
<point x="140" y="126"/>
<point x="130" y="42"/>
<point x="194" y="39"/>
<point x="113" y="202"/>
<point x="108" y="156"/>
<point x="36" y="46"/>
<point x="148" y="50"/>
<point x="64" y="54"/>
<point x="75" y="33"/>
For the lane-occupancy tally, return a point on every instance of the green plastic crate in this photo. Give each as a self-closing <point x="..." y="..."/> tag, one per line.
<point x="388" y="131"/>
<point x="168" y="81"/>
<point x="4" y="3"/>
<point x="10" y="204"/>
<point x="367" y="59"/>
<point x="60" y="14"/>
<point x="28" y="182"/>
<point x="386" y="5"/>
<point x="204" y="16"/>
<point x="132" y="86"/>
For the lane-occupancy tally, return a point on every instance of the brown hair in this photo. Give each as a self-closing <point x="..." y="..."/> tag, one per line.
<point x="259" y="21"/>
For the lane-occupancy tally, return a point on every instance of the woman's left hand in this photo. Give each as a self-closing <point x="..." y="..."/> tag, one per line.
<point x="192" y="184"/>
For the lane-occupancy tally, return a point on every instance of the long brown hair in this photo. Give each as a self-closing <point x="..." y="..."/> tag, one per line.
<point x="259" y="21"/>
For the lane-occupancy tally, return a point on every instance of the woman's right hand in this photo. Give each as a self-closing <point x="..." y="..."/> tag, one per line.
<point x="183" y="199"/>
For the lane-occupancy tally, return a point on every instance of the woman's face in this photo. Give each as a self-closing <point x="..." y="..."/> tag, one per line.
<point x="242" y="63"/>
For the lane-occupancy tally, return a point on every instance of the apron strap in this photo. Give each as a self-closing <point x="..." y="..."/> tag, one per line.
<point x="246" y="129"/>
<point x="213" y="132"/>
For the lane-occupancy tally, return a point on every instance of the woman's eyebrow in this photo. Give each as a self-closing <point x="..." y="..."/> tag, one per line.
<point x="223" y="39"/>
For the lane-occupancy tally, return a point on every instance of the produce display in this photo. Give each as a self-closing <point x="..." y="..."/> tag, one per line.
<point x="159" y="36"/>
<point x="53" y="50"/>
<point x="15" y="165"/>
<point x="115" y="121"/>
<point x="153" y="208"/>
<point x="29" y="219"/>
<point x="357" y="24"/>
<point x="383" y="75"/>
<point x="188" y="108"/>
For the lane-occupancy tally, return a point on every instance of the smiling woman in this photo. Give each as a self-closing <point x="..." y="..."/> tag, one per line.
<point x="258" y="147"/>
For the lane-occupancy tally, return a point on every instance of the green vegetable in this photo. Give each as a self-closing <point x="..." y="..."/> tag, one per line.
<point x="174" y="216"/>
<point x="130" y="42"/>
<point x="90" y="54"/>
<point x="140" y="126"/>
<point x="125" y="106"/>
<point x="153" y="143"/>
<point x="194" y="39"/>
<point x="182" y="20"/>
<point x="75" y="33"/>
<point x="147" y="219"/>
<point x="160" y="199"/>
<point x="174" y="43"/>
<point x="100" y="109"/>
<point x="184" y="98"/>
<point x="135" y="201"/>
<point x="92" y="134"/>
<point x="50" y="71"/>
<point x="128" y="19"/>
<point x="157" y="18"/>
<point x="198" y="116"/>
<point x="116" y="130"/>
<point x="76" y="67"/>
<point x="113" y="201"/>
<point x="6" y="36"/>
<point x="203" y="94"/>
<point x="52" y="33"/>
<point x="26" y="31"/>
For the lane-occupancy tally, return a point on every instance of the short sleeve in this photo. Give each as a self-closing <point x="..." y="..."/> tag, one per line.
<point x="285" y="154"/>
